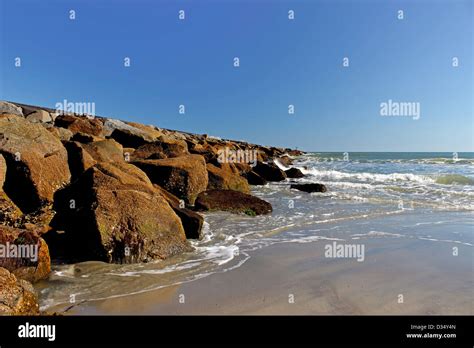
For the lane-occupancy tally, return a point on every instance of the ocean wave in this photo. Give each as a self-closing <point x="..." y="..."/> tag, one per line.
<point x="454" y="179"/>
<point x="335" y="175"/>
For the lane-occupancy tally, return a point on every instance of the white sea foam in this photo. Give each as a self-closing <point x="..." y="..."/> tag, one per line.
<point x="335" y="175"/>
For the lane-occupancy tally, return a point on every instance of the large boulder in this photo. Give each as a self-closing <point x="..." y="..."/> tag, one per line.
<point x="39" y="116"/>
<point x="226" y="176"/>
<point x="192" y="221"/>
<point x="79" y="159"/>
<point x="113" y="213"/>
<point x="164" y="147"/>
<point x="269" y="171"/>
<point x="17" y="296"/>
<point x="130" y="134"/>
<point x="232" y="201"/>
<point x="294" y="173"/>
<point x="184" y="176"/>
<point x="34" y="263"/>
<point x="9" y="108"/>
<point x="285" y="160"/>
<point x="80" y="124"/>
<point x="107" y="150"/>
<point x="255" y="179"/>
<point x="37" y="162"/>
<point x="84" y="156"/>
<point x="209" y="152"/>
<point x="310" y="187"/>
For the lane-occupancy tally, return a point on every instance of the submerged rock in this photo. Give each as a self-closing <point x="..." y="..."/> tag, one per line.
<point x="232" y="201"/>
<point x="309" y="187"/>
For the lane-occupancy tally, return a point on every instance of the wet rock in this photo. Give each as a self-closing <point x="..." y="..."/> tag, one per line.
<point x="232" y="201"/>
<point x="294" y="173"/>
<point x="269" y="171"/>
<point x="309" y="187"/>
<point x="255" y="179"/>
<point x="285" y="160"/>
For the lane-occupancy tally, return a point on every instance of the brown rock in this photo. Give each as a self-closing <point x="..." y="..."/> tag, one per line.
<point x="107" y="150"/>
<point x="79" y="159"/>
<point x="117" y="216"/>
<point x="192" y="221"/>
<point x="10" y="214"/>
<point x="11" y="109"/>
<point x="255" y="179"/>
<point x="165" y="147"/>
<point x="294" y="173"/>
<point x="232" y="201"/>
<point x="17" y="296"/>
<point x="226" y="177"/>
<point x="39" y="116"/>
<point x="85" y="138"/>
<point x="32" y="269"/>
<point x="3" y="170"/>
<point x="36" y="160"/>
<point x="185" y="176"/>
<point x="132" y="138"/>
<point x="310" y="187"/>
<point x="80" y="124"/>
<point x="285" y="160"/>
<point x="269" y="171"/>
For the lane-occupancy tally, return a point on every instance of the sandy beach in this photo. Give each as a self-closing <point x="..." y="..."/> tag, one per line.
<point x="431" y="282"/>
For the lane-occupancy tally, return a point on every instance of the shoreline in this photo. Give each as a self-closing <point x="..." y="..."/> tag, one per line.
<point x="267" y="283"/>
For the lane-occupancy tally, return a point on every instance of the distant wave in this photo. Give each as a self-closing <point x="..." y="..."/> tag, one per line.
<point x="335" y="175"/>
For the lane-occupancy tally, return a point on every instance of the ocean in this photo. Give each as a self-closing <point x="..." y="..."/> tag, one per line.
<point x="415" y="197"/>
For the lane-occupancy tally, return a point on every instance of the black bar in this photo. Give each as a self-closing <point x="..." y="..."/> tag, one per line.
<point x="241" y="330"/>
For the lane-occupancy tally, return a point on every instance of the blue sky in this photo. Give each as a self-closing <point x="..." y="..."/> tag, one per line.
<point x="282" y="62"/>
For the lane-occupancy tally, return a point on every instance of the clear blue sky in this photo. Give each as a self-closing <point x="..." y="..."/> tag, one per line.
<point x="283" y="62"/>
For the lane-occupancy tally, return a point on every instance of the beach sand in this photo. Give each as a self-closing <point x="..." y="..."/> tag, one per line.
<point x="296" y="278"/>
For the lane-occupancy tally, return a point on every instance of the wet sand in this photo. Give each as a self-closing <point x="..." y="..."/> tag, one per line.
<point x="295" y="278"/>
